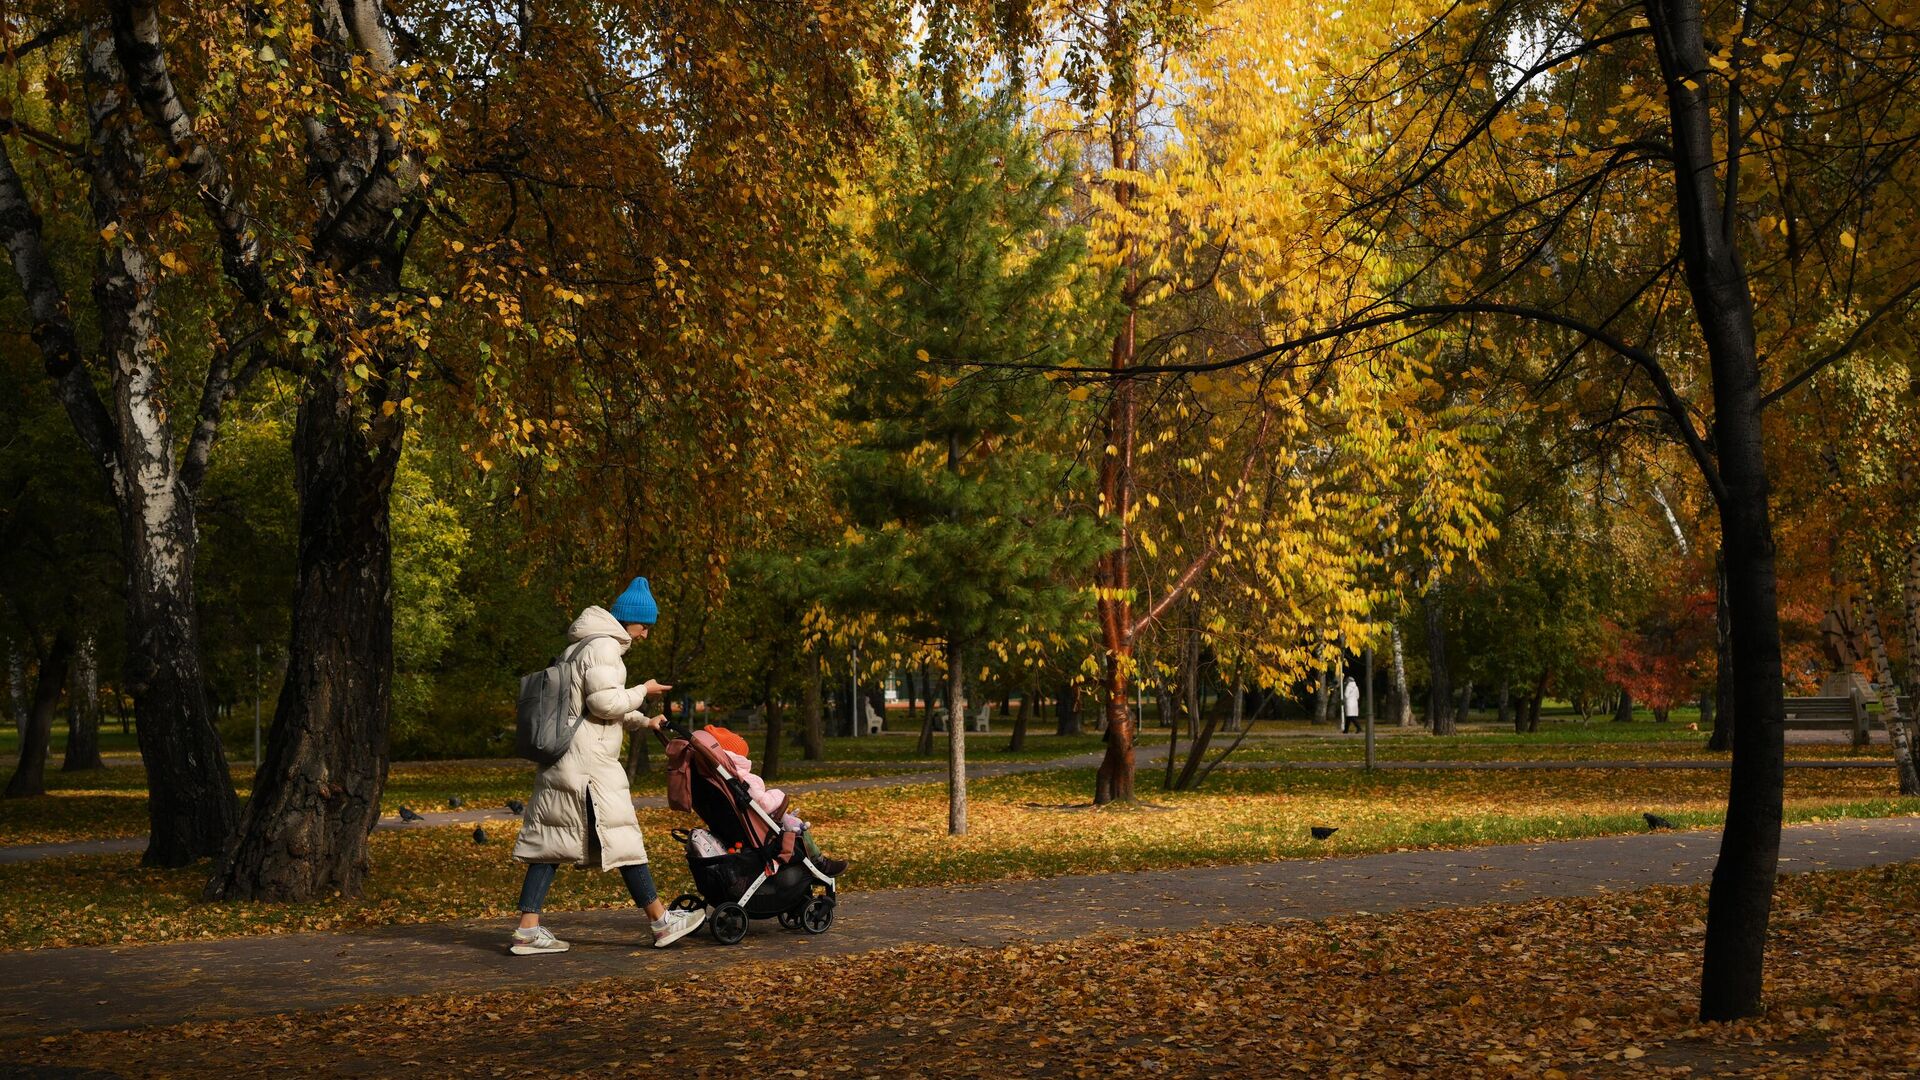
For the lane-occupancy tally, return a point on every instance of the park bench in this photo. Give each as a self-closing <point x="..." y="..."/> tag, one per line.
<point x="979" y="721"/>
<point x="875" y="722"/>
<point x="1847" y="714"/>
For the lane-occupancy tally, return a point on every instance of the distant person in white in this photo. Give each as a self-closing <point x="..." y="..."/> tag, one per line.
<point x="1352" y="721"/>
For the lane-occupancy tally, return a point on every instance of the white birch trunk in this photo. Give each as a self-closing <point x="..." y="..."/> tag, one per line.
<point x="1889" y="692"/>
<point x="1402" y="704"/>
<point x="956" y="741"/>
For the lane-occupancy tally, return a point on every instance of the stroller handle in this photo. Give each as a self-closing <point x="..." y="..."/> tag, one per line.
<point x="670" y="729"/>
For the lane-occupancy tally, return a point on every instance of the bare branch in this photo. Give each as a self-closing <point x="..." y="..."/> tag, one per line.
<point x="1845" y="348"/>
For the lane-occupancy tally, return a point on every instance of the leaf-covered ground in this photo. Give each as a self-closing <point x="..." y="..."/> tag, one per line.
<point x="1597" y="987"/>
<point x="1021" y="827"/>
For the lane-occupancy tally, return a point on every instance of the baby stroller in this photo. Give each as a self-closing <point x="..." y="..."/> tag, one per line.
<point x="750" y="868"/>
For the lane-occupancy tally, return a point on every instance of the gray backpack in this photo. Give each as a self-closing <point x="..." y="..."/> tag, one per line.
<point x="546" y="717"/>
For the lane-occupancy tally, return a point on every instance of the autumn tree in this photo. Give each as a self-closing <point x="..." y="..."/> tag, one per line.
<point x="1611" y="186"/>
<point x="152" y="432"/>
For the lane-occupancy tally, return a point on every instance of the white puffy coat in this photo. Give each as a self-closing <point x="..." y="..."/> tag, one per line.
<point x="554" y="827"/>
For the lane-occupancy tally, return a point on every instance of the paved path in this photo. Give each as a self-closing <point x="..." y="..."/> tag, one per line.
<point x="1143" y="757"/>
<point x="50" y="991"/>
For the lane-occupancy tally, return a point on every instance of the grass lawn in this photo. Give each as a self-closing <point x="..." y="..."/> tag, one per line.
<point x="1591" y="987"/>
<point x="112" y="802"/>
<point x="896" y="837"/>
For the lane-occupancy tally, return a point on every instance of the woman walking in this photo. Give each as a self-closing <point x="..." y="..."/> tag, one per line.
<point x="582" y="809"/>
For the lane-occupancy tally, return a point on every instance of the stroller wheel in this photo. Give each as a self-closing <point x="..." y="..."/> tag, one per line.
<point x="790" y="920"/>
<point x="817" y="915"/>
<point x="686" y="902"/>
<point x="729" y="923"/>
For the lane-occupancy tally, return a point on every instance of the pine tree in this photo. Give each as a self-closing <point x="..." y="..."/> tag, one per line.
<point x="955" y="487"/>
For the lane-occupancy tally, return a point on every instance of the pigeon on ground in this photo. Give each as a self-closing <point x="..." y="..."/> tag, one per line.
<point x="1321" y="832"/>
<point x="479" y="834"/>
<point x="1655" y="821"/>
<point x="407" y="814"/>
<point x="516" y="806"/>
<point x="455" y="802"/>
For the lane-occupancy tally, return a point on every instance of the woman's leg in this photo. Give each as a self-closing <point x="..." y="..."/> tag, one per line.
<point x="533" y="892"/>
<point x="639" y="881"/>
<point x="638" y="878"/>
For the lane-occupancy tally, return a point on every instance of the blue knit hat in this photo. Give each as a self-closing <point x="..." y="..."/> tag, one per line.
<point x="636" y="604"/>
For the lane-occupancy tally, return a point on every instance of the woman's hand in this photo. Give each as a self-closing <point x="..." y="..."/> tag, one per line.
<point x="653" y="687"/>
<point x="635" y="721"/>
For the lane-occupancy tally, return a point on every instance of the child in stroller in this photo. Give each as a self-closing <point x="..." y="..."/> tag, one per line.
<point x="745" y="864"/>
<point x="772" y="800"/>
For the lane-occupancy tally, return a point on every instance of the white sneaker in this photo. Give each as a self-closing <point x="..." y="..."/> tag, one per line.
<point x="676" y="925"/>
<point x="534" y="941"/>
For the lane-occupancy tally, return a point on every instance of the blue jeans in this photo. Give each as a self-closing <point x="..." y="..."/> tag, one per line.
<point x="533" y="891"/>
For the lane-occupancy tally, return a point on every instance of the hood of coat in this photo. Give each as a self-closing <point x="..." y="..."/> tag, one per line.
<point x="598" y="620"/>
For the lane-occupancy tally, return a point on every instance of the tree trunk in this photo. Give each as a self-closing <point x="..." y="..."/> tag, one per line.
<point x="17" y="697"/>
<point x="190" y="803"/>
<point x="191" y="806"/>
<point x="1440" y="691"/>
<point x="317" y="794"/>
<point x="1173" y="748"/>
<point x="1891" y="715"/>
<point x="1322" y="693"/>
<point x="1245" y="726"/>
<point x="1113" y="570"/>
<point x="1019" y="740"/>
<point x="1723" y="718"/>
<point x="1066" y="710"/>
<point x="30" y="775"/>
<point x="83" y="711"/>
<point x="810" y="710"/>
<point x="1190" y="703"/>
<point x="1623" y="711"/>
<point x="1910" y="597"/>
<point x="1402" y="701"/>
<point x="1534" y="702"/>
<point x="770" y="756"/>
<point x="1508" y="715"/>
<point x="1466" y="703"/>
<point x="956" y="741"/>
<point x="1740" y="900"/>
<point x="925" y="746"/>
<point x="1197" y="750"/>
